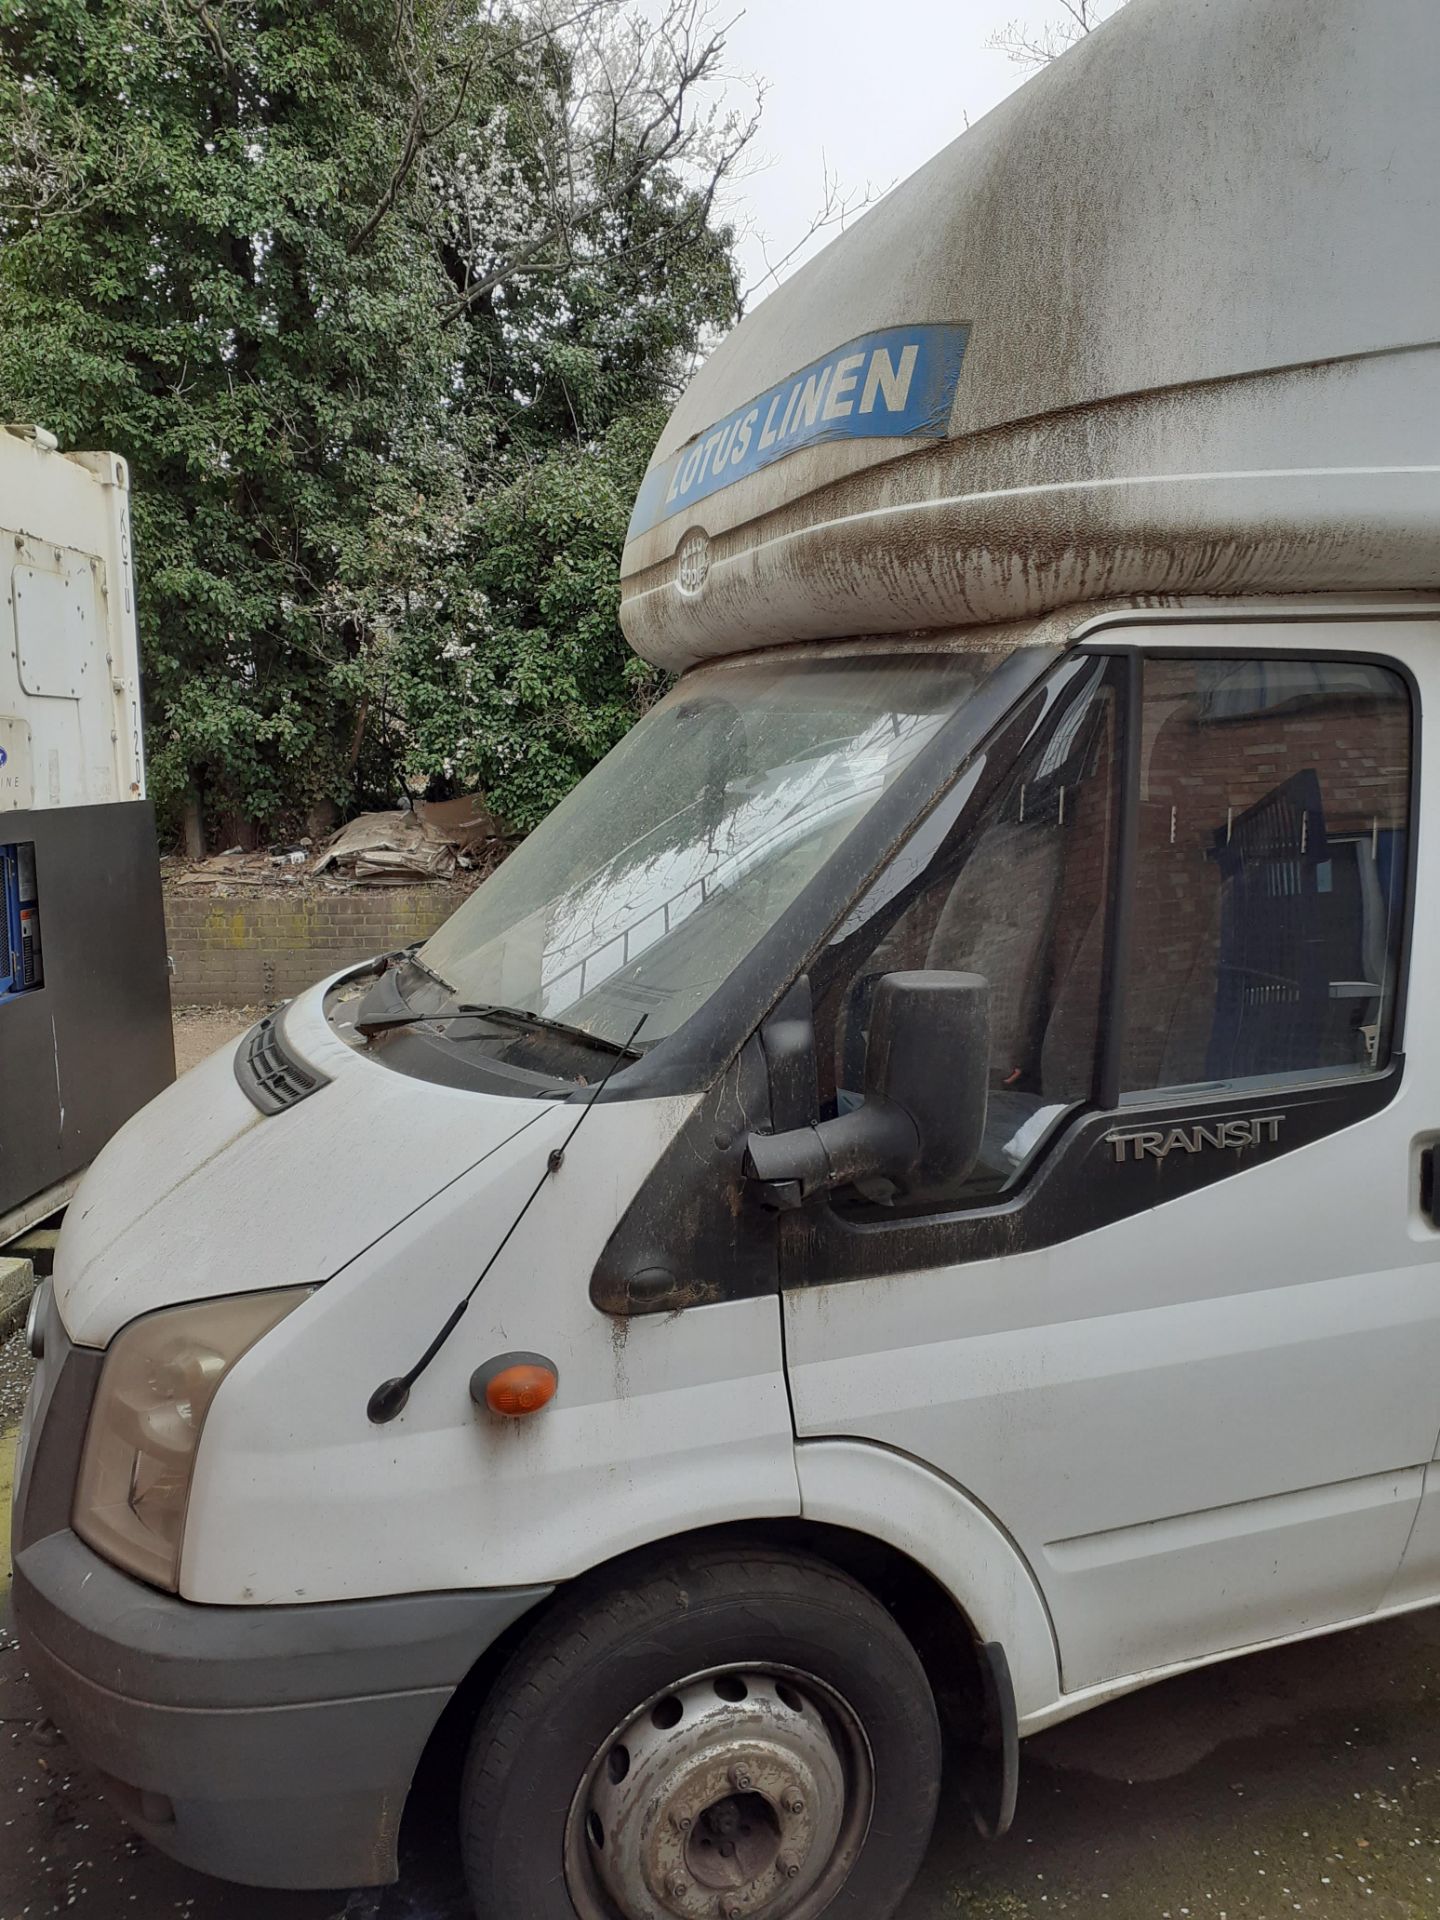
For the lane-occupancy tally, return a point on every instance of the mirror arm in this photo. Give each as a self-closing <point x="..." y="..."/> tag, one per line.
<point x="787" y="1169"/>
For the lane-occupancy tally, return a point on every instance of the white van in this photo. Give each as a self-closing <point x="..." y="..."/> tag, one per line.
<point x="912" y="1194"/>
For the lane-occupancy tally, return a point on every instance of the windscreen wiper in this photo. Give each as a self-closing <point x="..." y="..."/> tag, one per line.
<point x="385" y="1005"/>
<point x="388" y="1019"/>
<point x="413" y="960"/>
<point x="523" y="1017"/>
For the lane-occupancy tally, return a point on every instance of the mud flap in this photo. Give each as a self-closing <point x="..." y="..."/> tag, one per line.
<point x="993" y="1775"/>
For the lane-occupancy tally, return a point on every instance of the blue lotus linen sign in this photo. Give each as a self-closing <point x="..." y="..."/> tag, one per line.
<point x="895" y="385"/>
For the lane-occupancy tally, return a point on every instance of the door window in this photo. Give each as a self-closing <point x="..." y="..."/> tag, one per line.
<point x="1269" y="873"/>
<point x="1016" y="890"/>
<point x="1266" y="898"/>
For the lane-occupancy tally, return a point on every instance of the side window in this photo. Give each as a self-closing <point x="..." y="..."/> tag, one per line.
<point x="1017" y="890"/>
<point x="1270" y="871"/>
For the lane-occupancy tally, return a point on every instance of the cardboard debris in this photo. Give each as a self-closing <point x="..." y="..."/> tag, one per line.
<point x="235" y="868"/>
<point x="403" y="846"/>
<point x="387" y="848"/>
<point x="446" y="841"/>
<point x="468" y="824"/>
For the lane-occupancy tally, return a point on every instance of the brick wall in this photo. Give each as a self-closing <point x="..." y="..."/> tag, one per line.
<point x="242" y="951"/>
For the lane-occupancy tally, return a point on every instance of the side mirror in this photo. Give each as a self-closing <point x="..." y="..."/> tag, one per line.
<point x="927" y="1066"/>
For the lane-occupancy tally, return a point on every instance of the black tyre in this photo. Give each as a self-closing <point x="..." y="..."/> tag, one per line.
<point x="734" y="1731"/>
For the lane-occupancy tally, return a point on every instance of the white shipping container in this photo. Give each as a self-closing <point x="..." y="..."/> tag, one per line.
<point x="70" y="724"/>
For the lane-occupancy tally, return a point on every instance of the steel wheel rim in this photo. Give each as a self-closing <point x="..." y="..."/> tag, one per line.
<point x="744" y="1792"/>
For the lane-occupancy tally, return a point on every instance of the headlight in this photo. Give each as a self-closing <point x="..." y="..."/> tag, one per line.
<point x="159" y="1378"/>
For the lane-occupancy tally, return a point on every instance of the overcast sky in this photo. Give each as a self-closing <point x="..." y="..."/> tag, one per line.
<point x="874" y="87"/>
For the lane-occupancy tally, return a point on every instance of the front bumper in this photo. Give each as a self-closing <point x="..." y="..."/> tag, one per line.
<point x="271" y="1745"/>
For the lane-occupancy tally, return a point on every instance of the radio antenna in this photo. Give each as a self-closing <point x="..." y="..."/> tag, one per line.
<point x="390" y="1397"/>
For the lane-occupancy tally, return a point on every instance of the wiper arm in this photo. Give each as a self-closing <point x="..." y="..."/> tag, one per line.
<point x="523" y="1017"/>
<point x="386" y="1006"/>
<point x="388" y="1019"/>
<point x="410" y="959"/>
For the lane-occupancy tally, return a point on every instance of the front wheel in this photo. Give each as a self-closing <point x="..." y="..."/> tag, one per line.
<point x="730" y="1735"/>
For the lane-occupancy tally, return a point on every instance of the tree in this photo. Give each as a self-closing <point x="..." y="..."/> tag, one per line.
<point x="1036" y="47"/>
<point x="533" y="657"/>
<point x="379" y="298"/>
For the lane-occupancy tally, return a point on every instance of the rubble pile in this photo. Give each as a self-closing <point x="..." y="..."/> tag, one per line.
<point x="448" y="842"/>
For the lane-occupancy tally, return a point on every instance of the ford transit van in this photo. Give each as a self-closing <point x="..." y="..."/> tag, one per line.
<point x="910" y="1201"/>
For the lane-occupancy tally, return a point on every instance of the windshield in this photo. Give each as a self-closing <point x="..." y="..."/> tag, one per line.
<point x="659" y="873"/>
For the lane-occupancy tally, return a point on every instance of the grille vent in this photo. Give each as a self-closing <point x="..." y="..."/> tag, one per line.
<point x="270" y="1076"/>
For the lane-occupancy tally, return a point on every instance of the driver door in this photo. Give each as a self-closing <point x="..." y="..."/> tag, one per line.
<point x="1174" y="1333"/>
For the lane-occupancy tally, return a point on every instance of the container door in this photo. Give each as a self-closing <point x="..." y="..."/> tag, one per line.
<point x="1179" y="1330"/>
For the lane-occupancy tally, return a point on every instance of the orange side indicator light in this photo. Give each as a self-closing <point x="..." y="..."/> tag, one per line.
<point x="515" y="1384"/>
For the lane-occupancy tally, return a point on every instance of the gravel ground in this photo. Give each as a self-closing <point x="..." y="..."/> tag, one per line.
<point x="200" y="1031"/>
<point x="15" y="1367"/>
<point x="1300" y="1782"/>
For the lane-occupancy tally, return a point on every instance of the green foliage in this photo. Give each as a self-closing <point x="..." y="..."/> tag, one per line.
<point x="553" y="683"/>
<point x="385" y="401"/>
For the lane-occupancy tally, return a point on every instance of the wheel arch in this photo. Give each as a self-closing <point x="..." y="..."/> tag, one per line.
<point x="879" y="1493"/>
<point x="944" y="1638"/>
<point x="949" y="1575"/>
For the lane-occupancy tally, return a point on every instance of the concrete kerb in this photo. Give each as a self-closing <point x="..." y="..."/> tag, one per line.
<point x="17" y="1284"/>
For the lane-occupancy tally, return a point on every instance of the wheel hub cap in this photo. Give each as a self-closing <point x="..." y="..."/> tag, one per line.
<point x="725" y="1800"/>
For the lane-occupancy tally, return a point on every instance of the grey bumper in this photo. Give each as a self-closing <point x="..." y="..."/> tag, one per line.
<point x="272" y="1745"/>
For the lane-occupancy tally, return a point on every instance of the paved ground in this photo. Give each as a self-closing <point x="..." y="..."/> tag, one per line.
<point x="1303" y="1782"/>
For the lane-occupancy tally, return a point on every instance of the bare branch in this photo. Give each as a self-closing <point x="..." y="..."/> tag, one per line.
<point x="1035" y="47"/>
<point x="210" y="27"/>
<point x="440" y="87"/>
<point x="411" y="148"/>
<point x="646" y="98"/>
<point x="838" y="207"/>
